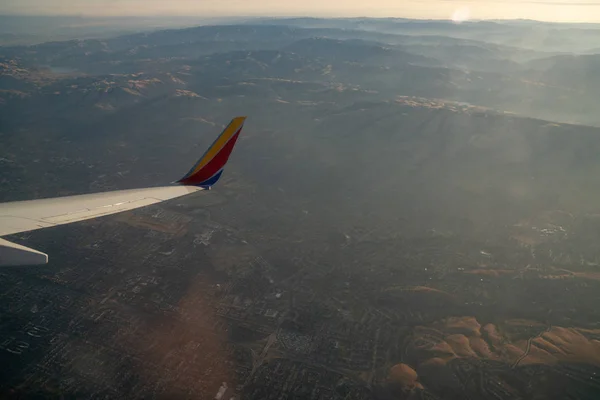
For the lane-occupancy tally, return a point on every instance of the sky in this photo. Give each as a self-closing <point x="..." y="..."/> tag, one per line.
<point x="545" y="10"/>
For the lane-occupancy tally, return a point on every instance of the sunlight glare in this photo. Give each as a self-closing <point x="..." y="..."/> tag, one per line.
<point x="461" y="14"/>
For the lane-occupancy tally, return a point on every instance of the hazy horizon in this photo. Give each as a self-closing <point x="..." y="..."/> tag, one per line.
<point x="552" y="11"/>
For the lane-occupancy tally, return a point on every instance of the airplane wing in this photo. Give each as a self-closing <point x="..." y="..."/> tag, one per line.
<point x="22" y="216"/>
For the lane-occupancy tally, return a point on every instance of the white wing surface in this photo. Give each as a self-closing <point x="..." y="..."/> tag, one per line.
<point x="22" y="216"/>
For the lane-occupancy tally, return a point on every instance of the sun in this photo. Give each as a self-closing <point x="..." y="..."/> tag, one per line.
<point x="461" y="14"/>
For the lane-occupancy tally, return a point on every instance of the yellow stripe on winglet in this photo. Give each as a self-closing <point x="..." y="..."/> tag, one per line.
<point x="221" y="141"/>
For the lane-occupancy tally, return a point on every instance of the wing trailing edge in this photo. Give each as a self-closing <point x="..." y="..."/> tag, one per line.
<point x="15" y="255"/>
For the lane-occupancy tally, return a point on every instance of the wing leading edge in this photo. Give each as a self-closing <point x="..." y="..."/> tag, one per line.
<point x="22" y="216"/>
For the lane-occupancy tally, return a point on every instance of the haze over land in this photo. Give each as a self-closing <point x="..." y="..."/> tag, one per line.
<point x="411" y="211"/>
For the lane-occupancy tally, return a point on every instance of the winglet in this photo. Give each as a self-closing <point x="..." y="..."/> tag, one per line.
<point x="209" y="167"/>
